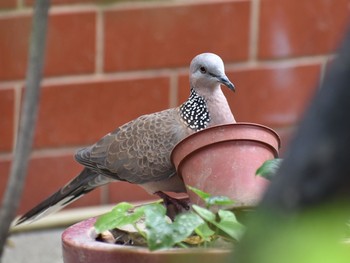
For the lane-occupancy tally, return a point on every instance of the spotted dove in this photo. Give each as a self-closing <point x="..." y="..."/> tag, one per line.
<point x="139" y="151"/>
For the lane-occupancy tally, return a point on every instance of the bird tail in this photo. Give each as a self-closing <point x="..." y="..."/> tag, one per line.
<point x="83" y="183"/>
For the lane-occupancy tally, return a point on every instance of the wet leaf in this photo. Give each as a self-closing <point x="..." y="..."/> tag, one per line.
<point x="226" y="222"/>
<point x="205" y="232"/>
<point x="162" y="234"/>
<point x="211" y="200"/>
<point x="120" y="215"/>
<point x="269" y="168"/>
<point x="200" y="193"/>
<point x="204" y="213"/>
<point x="229" y="224"/>
<point x="219" y="200"/>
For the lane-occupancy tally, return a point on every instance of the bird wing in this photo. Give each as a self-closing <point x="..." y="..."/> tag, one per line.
<point x="139" y="151"/>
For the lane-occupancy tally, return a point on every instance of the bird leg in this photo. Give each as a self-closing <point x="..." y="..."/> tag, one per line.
<point x="173" y="205"/>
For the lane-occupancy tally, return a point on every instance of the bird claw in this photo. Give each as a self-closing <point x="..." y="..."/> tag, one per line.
<point x="173" y="205"/>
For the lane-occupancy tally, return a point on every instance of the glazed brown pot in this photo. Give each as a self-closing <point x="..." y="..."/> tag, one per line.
<point x="79" y="246"/>
<point x="222" y="160"/>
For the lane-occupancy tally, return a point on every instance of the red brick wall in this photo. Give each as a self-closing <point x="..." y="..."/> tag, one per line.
<point x="107" y="64"/>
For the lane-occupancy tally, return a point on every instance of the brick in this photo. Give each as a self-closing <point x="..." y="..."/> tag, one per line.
<point x="8" y="4"/>
<point x="275" y="96"/>
<point x="14" y="32"/>
<point x="296" y="28"/>
<point x="169" y="36"/>
<point x="7" y="100"/>
<point x="126" y="192"/>
<point x="79" y="114"/>
<point x="70" y="45"/>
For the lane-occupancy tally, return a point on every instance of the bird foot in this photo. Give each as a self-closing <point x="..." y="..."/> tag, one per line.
<point x="173" y="205"/>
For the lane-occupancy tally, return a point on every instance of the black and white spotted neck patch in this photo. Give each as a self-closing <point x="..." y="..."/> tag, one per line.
<point x="195" y="112"/>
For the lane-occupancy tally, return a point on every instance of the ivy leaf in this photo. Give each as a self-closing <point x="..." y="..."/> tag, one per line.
<point x="184" y="225"/>
<point x="211" y="200"/>
<point x="219" y="200"/>
<point x="200" y="193"/>
<point x="204" y="231"/>
<point x="162" y="234"/>
<point x="119" y="216"/>
<point x="204" y="213"/>
<point x="269" y="168"/>
<point x="156" y="219"/>
<point x="229" y="224"/>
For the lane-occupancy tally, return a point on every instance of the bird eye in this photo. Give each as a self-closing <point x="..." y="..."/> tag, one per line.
<point x="203" y="70"/>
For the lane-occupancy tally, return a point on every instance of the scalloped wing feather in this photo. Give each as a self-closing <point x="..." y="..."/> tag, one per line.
<point x="139" y="151"/>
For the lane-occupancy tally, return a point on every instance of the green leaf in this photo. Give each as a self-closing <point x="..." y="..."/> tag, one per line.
<point x="211" y="200"/>
<point x="118" y="217"/>
<point x="162" y="234"/>
<point x="204" y="231"/>
<point x="200" y="193"/>
<point x="158" y="234"/>
<point x="184" y="225"/>
<point x="227" y="221"/>
<point x="204" y="213"/>
<point x="229" y="224"/>
<point x="219" y="200"/>
<point x="269" y="168"/>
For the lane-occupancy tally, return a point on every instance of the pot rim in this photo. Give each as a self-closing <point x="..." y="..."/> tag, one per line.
<point x="217" y="127"/>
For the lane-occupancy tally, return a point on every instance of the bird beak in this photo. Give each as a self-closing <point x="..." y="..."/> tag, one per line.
<point x="224" y="80"/>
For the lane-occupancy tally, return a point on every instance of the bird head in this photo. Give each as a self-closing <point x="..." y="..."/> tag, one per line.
<point x="207" y="72"/>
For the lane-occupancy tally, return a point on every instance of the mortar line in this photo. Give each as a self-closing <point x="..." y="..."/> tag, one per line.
<point x="47" y="152"/>
<point x="254" y="30"/>
<point x="55" y="151"/>
<point x="19" y="11"/>
<point x="151" y="73"/>
<point x="99" y="42"/>
<point x="297" y="61"/>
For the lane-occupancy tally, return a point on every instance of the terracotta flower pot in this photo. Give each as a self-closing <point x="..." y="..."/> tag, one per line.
<point x="222" y="160"/>
<point x="79" y="246"/>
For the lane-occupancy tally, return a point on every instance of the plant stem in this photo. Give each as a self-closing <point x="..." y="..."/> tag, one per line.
<point x="28" y="119"/>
